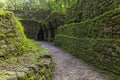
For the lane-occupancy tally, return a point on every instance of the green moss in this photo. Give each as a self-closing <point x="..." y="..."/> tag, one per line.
<point x="2" y="12"/>
<point x="102" y="53"/>
<point x="95" y="38"/>
<point x="11" y="35"/>
<point x="2" y="36"/>
<point x="29" y="74"/>
<point x="103" y="26"/>
<point x="31" y="78"/>
<point x="24" y="77"/>
<point x="20" y="52"/>
<point x="94" y="8"/>
<point x="6" y="74"/>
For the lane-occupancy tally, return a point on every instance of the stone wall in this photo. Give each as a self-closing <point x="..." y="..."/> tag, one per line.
<point x="32" y="28"/>
<point x="13" y="42"/>
<point x="85" y="9"/>
<point x="94" y="37"/>
<point x="21" y="58"/>
<point x="104" y="26"/>
<point x="48" y="26"/>
<point x="38" y="71"/>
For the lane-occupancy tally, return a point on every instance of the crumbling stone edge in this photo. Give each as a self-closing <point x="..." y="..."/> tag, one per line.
<point x="39" y="71"/>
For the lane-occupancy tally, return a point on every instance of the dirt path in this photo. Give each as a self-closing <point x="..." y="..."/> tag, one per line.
<point x="69" y="67"/>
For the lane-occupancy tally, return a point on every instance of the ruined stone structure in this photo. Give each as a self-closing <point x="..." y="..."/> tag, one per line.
<point x="92" y="33"/>
<point x="13" y="42"/>
<point x="15" y="50"/>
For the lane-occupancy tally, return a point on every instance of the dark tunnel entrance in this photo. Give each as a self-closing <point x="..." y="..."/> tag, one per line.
<point x="41" y="34"/>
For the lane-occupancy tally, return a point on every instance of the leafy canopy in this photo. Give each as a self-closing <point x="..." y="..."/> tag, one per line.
<point x="53" y="5"/>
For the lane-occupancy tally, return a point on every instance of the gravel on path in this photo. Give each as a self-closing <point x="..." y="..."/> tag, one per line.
<point x="68" y="67"/>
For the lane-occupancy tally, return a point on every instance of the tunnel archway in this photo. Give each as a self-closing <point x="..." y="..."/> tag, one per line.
<point x="41" y="34"/>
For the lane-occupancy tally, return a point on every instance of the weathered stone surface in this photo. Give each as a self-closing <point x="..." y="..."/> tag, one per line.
<point x="33" y="67"/>
<point x="12" y="37"/>
<point x="47" y="62"/>
<point x="92" y="33"/>
<point x="2" y="42"/>
<point x="46" y="56"/>
<point x="35" y="72"/>
<point x="13" y="78"/>
<point x="31" y="28"/>
<point x="39" y="64"/>
<point x="21" y="76"/>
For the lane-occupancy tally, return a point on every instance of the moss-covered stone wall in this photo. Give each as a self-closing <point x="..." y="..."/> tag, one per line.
<point x="31" y="28"/>
<point x="48" y="26"/>
<point x="13" y="42"/>
<point x="38" y="71"/>
<point x="104" y="26"/>
<point x="95" y="36"/>
<point x="21" y="58"/>
<point x="51" y="23"/>
<point x="85" y="9"/>
<point x="102" y="53"/>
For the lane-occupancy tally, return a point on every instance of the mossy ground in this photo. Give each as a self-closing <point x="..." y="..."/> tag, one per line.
<point x="12" y="65"/>
<point x="17" y="63"/>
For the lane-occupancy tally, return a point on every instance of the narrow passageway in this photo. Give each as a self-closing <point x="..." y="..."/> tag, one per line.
<point x="41" y="34"/>
<point x="68" y="67"/>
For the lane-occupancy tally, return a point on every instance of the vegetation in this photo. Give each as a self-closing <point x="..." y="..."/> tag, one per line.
<point x="52" y="5"/>
<point x="89" y="30"/>
<point x="18" y="52"/>
<point x="93" y="35"/>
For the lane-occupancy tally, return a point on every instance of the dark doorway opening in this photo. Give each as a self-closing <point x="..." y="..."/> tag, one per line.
<point x="41" y="34"/>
